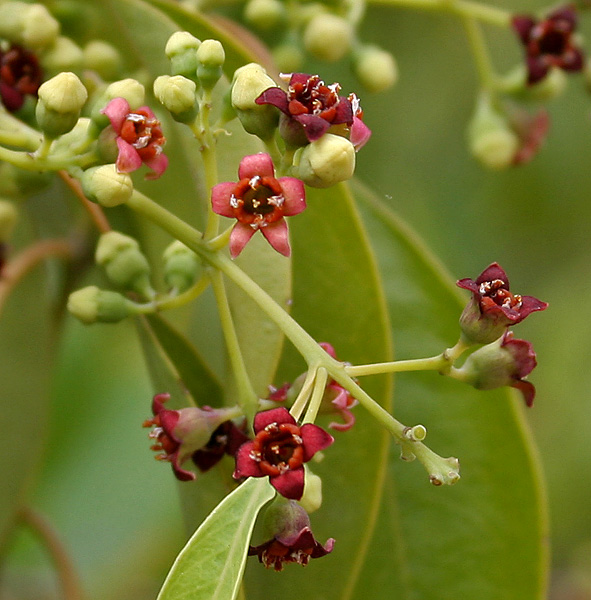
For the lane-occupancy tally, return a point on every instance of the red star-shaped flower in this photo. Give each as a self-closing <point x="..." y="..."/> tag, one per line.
<point x="493" y="307"/>
<point x="139" y="138"/>
<point x="279" y="450"/>
<point x="549" y="42"/>
<point x="20" y="75"/>
<point x="259" y="201"/>
<point x="310" y="108"/>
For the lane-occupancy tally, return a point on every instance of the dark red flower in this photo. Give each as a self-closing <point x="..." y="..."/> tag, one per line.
<point x="525" y="361"/>
<point x="259" y="201"/>
<point x="292" y="541"/>
<point x="139" y="138"/>
<point x="226" y="439"/>
<point x="279" y="450"/>
<point x="180" y="433"/>
<point x="493" y="307"/>
<point x="531" y="129"/>
<point x="310" y="108"/>
<point x="549" y="42"/>
<point x="20" y="75"/>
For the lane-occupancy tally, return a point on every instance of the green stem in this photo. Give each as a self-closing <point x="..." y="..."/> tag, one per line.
<point x="176" y="301"/>
<point x="300" y="402"/>
<point x="480" y="53"/>
<point x="30" y="162"/>
<point x="246" y="394"/>
<point x="317" y="395"/>
<point x="434" y="363"/>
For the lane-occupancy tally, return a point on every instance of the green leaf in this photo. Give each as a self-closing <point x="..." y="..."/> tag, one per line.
<point x="337" y="298"/>
<point x="485" y="537"/>
<point x="210" y="566"/>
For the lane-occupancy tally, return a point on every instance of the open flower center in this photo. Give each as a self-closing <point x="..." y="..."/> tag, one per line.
<point x="313" y="97"/>
<point x="144" y="133"/>
<point x="258" y="201"/>
<point x="164" y="444"/>
<point x="500" y="295"/>
<point x="278" y="448"/>
<point x="551" y="39"/>
<point x="20" y="74"/>
<point x="277" y="553"/>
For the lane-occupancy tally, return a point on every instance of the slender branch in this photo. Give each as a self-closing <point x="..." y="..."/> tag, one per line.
<point x="94" y="210"/>
<point x="30" y="257"/>
<point x="480" y="53"/>
<point x="317" y="395"/>
<point x="70" y="582"/>
<point x="434" y="363"/>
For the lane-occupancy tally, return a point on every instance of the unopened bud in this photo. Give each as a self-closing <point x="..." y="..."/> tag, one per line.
<point x="103" y="58"/>
<point x="328" y="37"/>
<point x="93" y="305"/>
<point x="28" y="24"/>
<point x="62" y="55"/>
<point x="312" y="497"/>
<point x="8" y="218"/>
<point x="181" y="49"/>
<point x="491" y="139"/>
<point x="375" y="68"/>
<point x="123" y="262"/>
<point x="106" y="185"/>
<point x="210" y="59"/>
<point x="181" y="267"/>
<point x="325" y="162"/>
<point x="129" y="89"/>
<point x="60" y="101"/>
<point x="289" y="58"/>
<point x="551" y="86"/>
<point x="264" y="14"/>
<point x="177" y="94"/>
<point x="249" y="83"/>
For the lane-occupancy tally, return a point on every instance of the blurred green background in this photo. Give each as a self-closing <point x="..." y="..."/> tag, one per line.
<point x="534" y="220"/>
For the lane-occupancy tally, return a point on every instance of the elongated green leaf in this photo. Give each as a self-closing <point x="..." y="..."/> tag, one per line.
<point x="485" y="537"/>
<point x="338" y="299"/>
<point x="210" y="566"/>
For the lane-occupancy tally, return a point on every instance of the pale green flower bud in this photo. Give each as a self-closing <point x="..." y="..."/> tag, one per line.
<point x="93" y="305"/>
<point x="210" y="59"/>
<point x="375" y="68"/>
<point x="249" y="82"/>
<point x="8" y="218"/>
<point x="129" y="89"/>
<point x="491" y="139"/>
<point x="328" y="37"/>
<point x="123" y="262"/>
<point x="181" y="266"/>
<point x="289" y="58"/>
<point x="28" y="24"/>
<point x="103" y="58"/>
<point x="63" y="55"/>
<point x="177" y="94"/>
<point x="264" y="14"/>
<point x="325" y="162"/>
<point x="312" y="498"/>
<point x="60" y="101"/>
<point x="181" y="49"/>
<point x="106" y="185"/>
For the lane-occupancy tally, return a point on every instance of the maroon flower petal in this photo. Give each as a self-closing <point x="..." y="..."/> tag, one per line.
<point x="275" y="415"/>
<point x="344" y="112"/>
<point x="158" y="164"/>
<point x="289" y="484"/>
<point x="277" y="235"/>
<point x="241" y="234"/>
<point x="246" y="466"/>
<point x="527" y="389"/>
<point x="567" y="17"/>
<point x="294" y="195"/>
<point x="180" y="473"/>
<point x="220" y="198"/>
<point x="523" y="26"/>
<point x="128" y="159"/>
<point x="315" y="439"/>
<point x="530" y="304"/>
<point x="256" y="164"/>
<point x="537" y="68"/>
<point x="275" y="96"/>
<point x="492" y="272"/>
<point x="572" y="60"/>
<point x="314" y="126"/>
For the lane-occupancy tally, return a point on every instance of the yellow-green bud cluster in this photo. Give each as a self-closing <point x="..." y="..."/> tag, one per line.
<point x="178" y="95"/>
<point x="124" y="263"/>
<point x="328" y="37"/>
<point x="93" y="305"/>
<point x="103" y="58"/>
<point x="210" y="60"/>
<point x="264" y="14"/>
<point x="60" y="101"/>
<point x="181" y="267"/>
<point x="106" y="185"/>
<point x="63" y="55"/>
<point x="30" y="25"/>
<point x="181" y="49"/>
<point x="375" y="68"/>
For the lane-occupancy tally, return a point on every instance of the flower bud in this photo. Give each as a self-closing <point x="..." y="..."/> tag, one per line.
<point x="289" y="58"/>
<point x="325" y="162"/>
<point x="103" y="58"/>
<point x="177" y="94"/>
<point x="504" y="362"/>
<point x="181" y="266"/>
<point x="328" y="37"/>
<point x="312" y="497"/>
<point x="28" y="24"/>
<point x="491" y="139"/>
<point x="93" y="305"/>
<point x="60" y="101"/>
<point x="248" y="84"/>
<point x="124" y="263"/>
<point x="552" y="86"/>
<point x="8" y="218"/>
<point x="63" y="55"/>
<point x="375" y="68"/>
<point x="210" y="59"/>
<point x="128" y="89"/>
<point x="106" y="185"/>
<point x="264" y="14"/>
<point x="181" y="49"/>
